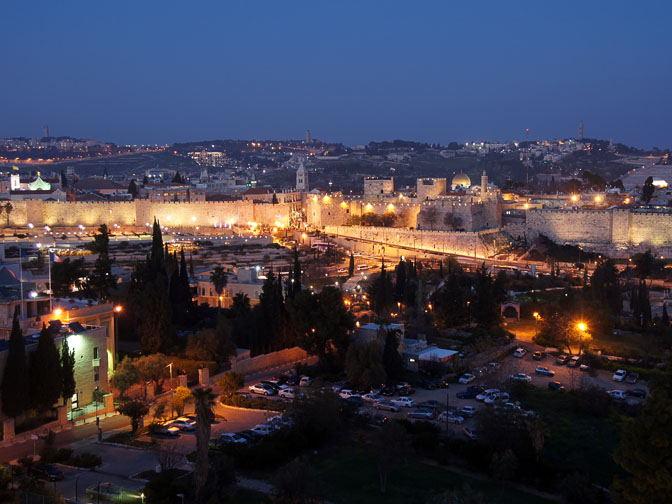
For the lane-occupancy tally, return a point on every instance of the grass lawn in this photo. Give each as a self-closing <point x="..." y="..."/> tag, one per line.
<point x="350" y="475"/>
<point x="576" y="441"/>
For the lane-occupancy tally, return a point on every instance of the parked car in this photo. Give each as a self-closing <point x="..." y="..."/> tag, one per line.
<point x="470" y="392"/>
<point x="451" y="417"/>
<point x="556" y="385"/>
<point x="384" y="404"/>
<point x="584" y="367"/>
<point x="637" y="392"/>
<point x="272" y="384"/>
<point x="519" y="352"/>
<point x="46" y="472"/>
<point x="493" y="365"/>
<point x="544" y="371"/>
<point x="486" y="393"/>
<point x="290" y="393"/>
<point x="305" y="381"/>
<point x="520" y="377"/>
<point x="617" y="394"/>
<point x="246" y="395"/>
<point x="262" y="430"/>
<point x="388" y="391"/>
<point x="573" y="361"/>
<point x="258" y="388"/>
<point x="466" y="378"/>
<point x="429" y="384"/>
<point x="293" y="380"/>
<point x="404" y="402"/>
<point x="480" y="371"/>
<point x="422" y="413"/>
<point x="431" y="404"/>
<point x="168" y="430"/>
<point x="184" y="424"/>
<point x="497" y="396"/>
<point x="539" y="355"/>
<point x="467" y="411"/>
<point x="619" y="375"/>
<point x="370" y="397"/>
<point x="562" y="359"/>
<point x="404" y="389"/>
<point x="632" y="377"/>
<point x="470" y="433"/>
<point x="232" y="438"/>
<point x="347" y="394"/>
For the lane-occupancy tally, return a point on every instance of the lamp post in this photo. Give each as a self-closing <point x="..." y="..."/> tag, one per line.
<point x="171" y="388"/>
<point x="537" y="317"/>
<point x="582" y="328"/>
<point x="117" y="310"/>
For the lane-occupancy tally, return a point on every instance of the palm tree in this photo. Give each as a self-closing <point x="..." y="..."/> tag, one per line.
<point x="219" y="280"/>
<point x="204" y="401"/>
<point x="241" y="303"/>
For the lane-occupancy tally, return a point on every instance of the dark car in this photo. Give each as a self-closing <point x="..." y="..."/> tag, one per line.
<point x="422" y="413"/>
<point x="293" y="380"/>
<point x="556" y="385"/>
<point x="637" y="392"/>
<point x="470" y="392"/>
<point x="47" y="472"/>
<point x="271" y="384"/>
<point x="378" y="419"/>
<point x="429" y="384"/>
<point x="388" y="391"/>
<point x="562" y="359"/>
<point x="362" y="389"/>
<point x="632" y="377"/>
<point x="538" y="355"/>
<point x="251" y="436"/>
<point x="431" y="404"/>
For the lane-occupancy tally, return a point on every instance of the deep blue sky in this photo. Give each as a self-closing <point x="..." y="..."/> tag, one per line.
<point x="164" y="71"/>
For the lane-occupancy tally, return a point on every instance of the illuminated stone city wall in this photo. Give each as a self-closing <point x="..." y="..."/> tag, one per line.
<point x="140" y="212"/>
<point x="462" y="243"/>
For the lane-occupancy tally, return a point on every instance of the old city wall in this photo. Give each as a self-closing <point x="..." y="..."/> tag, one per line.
<point x="573" y="226"/>
<point x="140" y="212"/>
<point x="335" y="211"/>
<point x="651" y="228"/>
<point x="445" y="242"/>
<point x="269" y="360"/>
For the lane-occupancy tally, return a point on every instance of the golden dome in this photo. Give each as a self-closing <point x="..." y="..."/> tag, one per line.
<point x="461" y="179"/>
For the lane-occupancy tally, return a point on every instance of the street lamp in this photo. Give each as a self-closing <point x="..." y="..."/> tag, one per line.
<point x="582" y="328"/>
<point x="117" y="310"/>
<point x="171" y="388"/>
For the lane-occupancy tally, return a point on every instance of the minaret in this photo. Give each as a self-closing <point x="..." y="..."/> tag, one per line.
<point x="484" y="185"/>
<point x="308" y="138"/>
<point x="46" y="130"/>
<point x="301" y="177"/>
<point x="204" y="175"/>
<point x="580" y="130"/>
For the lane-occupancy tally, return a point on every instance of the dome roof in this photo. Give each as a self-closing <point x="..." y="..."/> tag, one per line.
<point x="461" y="179"/>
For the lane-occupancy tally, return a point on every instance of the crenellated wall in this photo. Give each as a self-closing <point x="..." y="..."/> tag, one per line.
<point x="140" y="212"/>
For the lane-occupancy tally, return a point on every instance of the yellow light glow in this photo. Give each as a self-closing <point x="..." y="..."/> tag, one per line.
<point x="598" y="198"/>
<point x="390" y="207"/>
<point x="118" y="308"/>
<point x="315" y="199"/>
<point x="581" y="326"/>
<point x="344" y="204"/>
<point x="574" y="197"/>
<point x="526" y="205"/>
<point x="326" y="199"/>
<point x="58" y="312"/>
<point x="369" y="207"/>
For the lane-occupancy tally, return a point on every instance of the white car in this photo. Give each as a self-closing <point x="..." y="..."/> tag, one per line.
<point x="520" y="377"/>
<point x="450" y="417"/>
<point x="290" y="393"/>
<point x="384" y="404"/>
<point x="258" y="388"/>
<point x="497" y="396"/>
<point x="466" y="378"/>
<point x="347" y="394"/>
<point x="617" y="394"/>
<point x="371" y="397"/>
<point x="467" y="411"/>
<point x="262" y="430"/>
<point x="403" y="402"/>
<point x="305" y="381"/>
<point x="619" y="375"/>
<point x="184" y="424"/>
<point x="486" y="393"/>
<point x="519" y="352"/>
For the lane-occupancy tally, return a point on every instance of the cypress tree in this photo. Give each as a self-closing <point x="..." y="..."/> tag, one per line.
<point x="351" y="265"/>
<point x="156" y="254"/>
<point x="46" y="380"/>
<point x="400" y="281"/>
<point x="67" y="370"/>
<point x="634" y="305"/>
<point x="666" y="318"/>
<point x="440" y="270"/>
<point x="297" y="272"/>
<point x="15" y="390"/>
<point x="185" y="289"/>
<point x="645" y="304"/>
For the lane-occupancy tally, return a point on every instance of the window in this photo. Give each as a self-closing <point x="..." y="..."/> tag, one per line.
<point x="95" y="353"/>
<point x="96" y="377"/>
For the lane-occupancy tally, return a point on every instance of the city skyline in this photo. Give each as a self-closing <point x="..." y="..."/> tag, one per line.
<point x="427" y="73"/>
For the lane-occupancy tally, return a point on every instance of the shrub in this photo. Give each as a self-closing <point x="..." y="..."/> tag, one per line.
<point x="85" y="460"/>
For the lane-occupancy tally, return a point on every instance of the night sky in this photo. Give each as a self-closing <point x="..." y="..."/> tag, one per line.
<point x="160" y="72"/>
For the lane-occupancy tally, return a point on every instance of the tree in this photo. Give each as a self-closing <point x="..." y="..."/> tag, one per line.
<point x="101" y="278"/>
<point x="605" y="287"/>
<point x="644" y="449"/>
<point x="64" y="180"/>
<point x="351" y="265"/>
<point x="219" y="280"/>
<point x="230" y="382"/>
<point x="125" y="376"/>
<point x="392" y="361"/>
<point x="450" y="303"/>
<point x="400" y="281"/>
<point x="67" y="370"/>
<point x="8" y="210"/>
<point x="181" y="396"/>
<point x="647" y="190"/>
<point x="503" y="465"/>
<point x="364" y="364"/>
<point x="135" y="409"/>
<point x="296" y="283"/>
<point x="558" y="330"/>
<point x="15" y="384"/>
<point x="429" y="216"/>
<point x="155" y="328"/>
<point x="241" y="304"/>
<point x="647" y="265"/>
<point x="153" y="368"/>
<point x="644" y="304"/>
<point x="204" y="400"/>
<point x="392" y="445"/>
<point x="665" y="318"/>
<point x="46" y="380"/>
<point x="156" y="254"/>
<point x="133" y="189"/>
<point x="485" y="309"/>
<point x="274" y="200"/>
<point x="67" y="274"/>
<point x="212" y="343"/>
<point x="381" y="293"/>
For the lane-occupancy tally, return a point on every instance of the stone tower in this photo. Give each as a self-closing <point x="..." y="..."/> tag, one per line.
<point x="484" y="185"/>
<point x="302" y="178"/>
<point x="580" y="130"/>
<point x="204" y="175"/>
